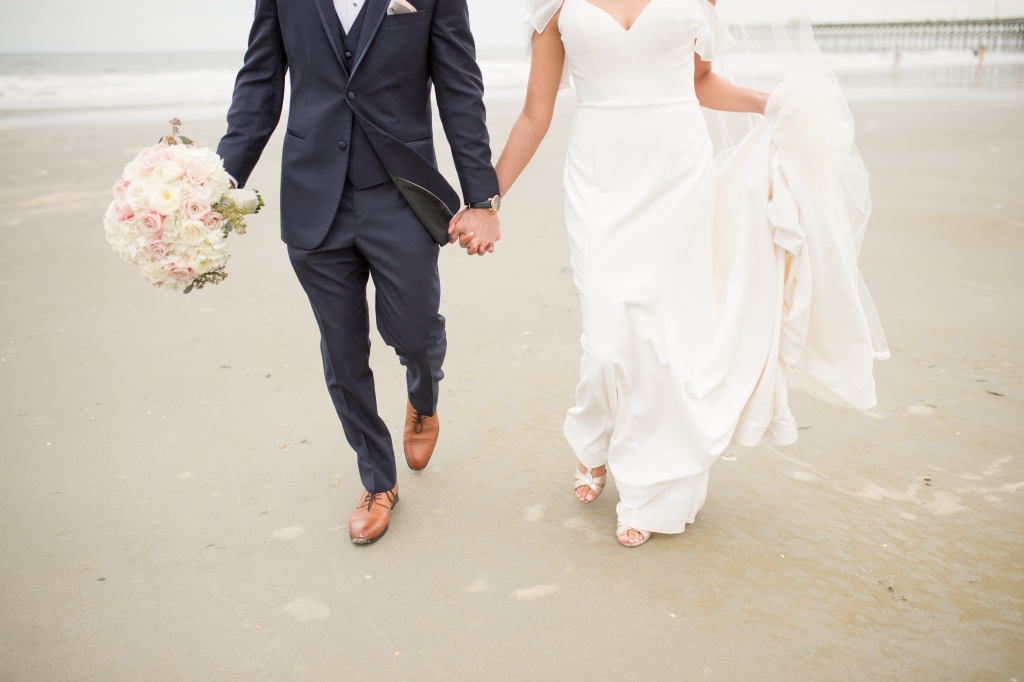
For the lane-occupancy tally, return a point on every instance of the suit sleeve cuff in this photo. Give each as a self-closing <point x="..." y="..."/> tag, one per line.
<point x="481" y="194"/>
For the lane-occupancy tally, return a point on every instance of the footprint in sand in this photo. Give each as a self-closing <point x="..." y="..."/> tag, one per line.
<point x="289" y="533"/>
<point x="307" y="609"/>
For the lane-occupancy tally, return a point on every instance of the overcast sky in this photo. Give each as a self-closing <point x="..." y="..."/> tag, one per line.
<point x="159" y="25"/>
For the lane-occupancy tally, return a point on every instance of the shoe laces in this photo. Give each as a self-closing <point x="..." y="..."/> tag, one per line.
<point x="418" y="420"/>
<point x="371" y="498"/>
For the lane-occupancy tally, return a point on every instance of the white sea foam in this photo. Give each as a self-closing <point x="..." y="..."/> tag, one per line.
<point x="50" y="91"/>
<point x="116" y="89"/>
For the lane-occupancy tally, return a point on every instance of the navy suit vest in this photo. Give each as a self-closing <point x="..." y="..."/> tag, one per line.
<point x="365" y="168"/>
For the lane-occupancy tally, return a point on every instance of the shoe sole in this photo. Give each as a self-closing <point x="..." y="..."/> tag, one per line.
<point x="382" y="533"/>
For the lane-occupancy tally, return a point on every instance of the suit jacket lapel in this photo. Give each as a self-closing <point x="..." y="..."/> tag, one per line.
<point x="333" y="27"/>
<point x="376" y="10"/>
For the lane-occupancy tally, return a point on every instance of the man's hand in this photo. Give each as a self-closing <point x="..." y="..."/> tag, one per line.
<point x="476" y="229"/>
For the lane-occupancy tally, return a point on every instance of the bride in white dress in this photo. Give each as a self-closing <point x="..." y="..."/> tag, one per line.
<point x="640" y="206"/>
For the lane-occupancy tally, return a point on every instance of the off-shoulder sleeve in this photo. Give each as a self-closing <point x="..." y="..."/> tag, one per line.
<point x="709" y="32"/>
<point x="541" y="13"/>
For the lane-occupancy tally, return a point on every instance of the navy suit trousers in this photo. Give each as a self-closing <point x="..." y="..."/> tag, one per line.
<point x="375" y="234"/>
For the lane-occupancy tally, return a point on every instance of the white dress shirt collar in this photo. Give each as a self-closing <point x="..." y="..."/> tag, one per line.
<point x="348" y="10"/>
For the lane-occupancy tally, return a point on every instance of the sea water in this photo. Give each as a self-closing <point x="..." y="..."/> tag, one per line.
<point x="116" y="88"/>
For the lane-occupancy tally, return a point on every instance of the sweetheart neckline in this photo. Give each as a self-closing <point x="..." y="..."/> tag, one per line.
<point x="615" y="21"/>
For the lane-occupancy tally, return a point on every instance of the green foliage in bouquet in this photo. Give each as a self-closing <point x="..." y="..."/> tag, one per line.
<point x="234" y="215"/>
<point x="175" y="136"/>
<point x="215" y="276"/>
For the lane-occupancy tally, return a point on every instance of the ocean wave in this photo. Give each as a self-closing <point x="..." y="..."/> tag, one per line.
<point x="60" y="86"/>
<point x="47" y="91"/>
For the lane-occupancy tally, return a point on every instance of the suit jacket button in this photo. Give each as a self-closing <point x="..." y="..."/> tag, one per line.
<point x="343" y="145"/>
<point x="348" y="55"/>
<point x="351" y="95"/>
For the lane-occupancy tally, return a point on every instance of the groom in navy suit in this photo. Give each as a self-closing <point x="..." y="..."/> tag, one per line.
<point x="361" y="195"/>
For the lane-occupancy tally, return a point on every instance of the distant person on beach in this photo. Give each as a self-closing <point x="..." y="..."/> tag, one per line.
<point x="361" y="195"/>
<point x="980" y="54"/>
<point x="668" y="383"/>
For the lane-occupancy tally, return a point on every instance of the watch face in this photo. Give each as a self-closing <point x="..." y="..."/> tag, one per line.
<point x="496" y="203"/>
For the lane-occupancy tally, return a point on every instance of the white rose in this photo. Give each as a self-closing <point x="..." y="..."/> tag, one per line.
<point x="138" y="193"/>
<point x="193" y="232"/>
<point x="164" y="198"/>
<point x="168" y="171"/>
<point x="133" y="170"/>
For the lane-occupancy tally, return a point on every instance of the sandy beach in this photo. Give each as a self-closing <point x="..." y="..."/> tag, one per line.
<point x="176" y="486"/>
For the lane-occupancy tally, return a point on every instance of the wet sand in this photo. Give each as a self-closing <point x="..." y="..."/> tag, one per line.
<point x="176" y="486"/>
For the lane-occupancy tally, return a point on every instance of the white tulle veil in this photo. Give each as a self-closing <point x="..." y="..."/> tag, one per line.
<point x="810" y="118"/>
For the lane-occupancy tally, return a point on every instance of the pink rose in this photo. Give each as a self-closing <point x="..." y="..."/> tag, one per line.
<point x="197" y="175"/>
<point x="196" y="208"/>
<point x="153" y="157"/>
<point x="213" y="221"/>
<point x="157" y="248"/>
<point x="123" y="211"/>
<point x="120" y="189"/>
<point x="180" y="271"/>
<point x="152" y="223"/>
<point x="157" y="147"/>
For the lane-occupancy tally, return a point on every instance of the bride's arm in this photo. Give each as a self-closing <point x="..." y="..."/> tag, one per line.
<point x="714" y="92"/>
<point x="535" y="119"/>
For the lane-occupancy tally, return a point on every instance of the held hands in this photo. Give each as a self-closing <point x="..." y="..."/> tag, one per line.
<point x="476" y="230"/>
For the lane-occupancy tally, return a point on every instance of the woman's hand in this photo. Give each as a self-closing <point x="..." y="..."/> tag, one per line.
<point x="762" y="101"/>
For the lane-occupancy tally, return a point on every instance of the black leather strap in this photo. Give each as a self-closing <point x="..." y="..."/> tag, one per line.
<point x="481" y="204"/>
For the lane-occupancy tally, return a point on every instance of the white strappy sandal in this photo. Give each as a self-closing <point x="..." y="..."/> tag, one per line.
<point x="588" y="479"/>
<point x="622" y="528"/>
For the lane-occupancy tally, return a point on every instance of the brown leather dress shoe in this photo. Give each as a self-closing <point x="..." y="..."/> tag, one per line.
<point x="420" y="437"/>
<point x="371" y="518"/>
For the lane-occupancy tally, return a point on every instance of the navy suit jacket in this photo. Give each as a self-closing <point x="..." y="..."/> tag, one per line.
<point x="385" y="85"/>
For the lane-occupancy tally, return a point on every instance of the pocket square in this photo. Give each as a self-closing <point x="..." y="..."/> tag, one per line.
<point x="400" y="7"/>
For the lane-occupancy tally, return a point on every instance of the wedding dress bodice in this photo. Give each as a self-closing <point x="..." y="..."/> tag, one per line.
<point x="651" y="62"/>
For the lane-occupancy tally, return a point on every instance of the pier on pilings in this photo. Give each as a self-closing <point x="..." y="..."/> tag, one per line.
<point x="995" y="35"/>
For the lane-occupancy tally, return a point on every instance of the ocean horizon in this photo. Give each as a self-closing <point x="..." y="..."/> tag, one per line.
<point x="45" y="89"/>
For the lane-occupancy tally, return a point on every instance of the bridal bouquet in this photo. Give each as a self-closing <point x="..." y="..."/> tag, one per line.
<point x="172" y="211"/>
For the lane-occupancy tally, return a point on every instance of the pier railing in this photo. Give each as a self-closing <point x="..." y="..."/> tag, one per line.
<point x="996" y="35"/>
